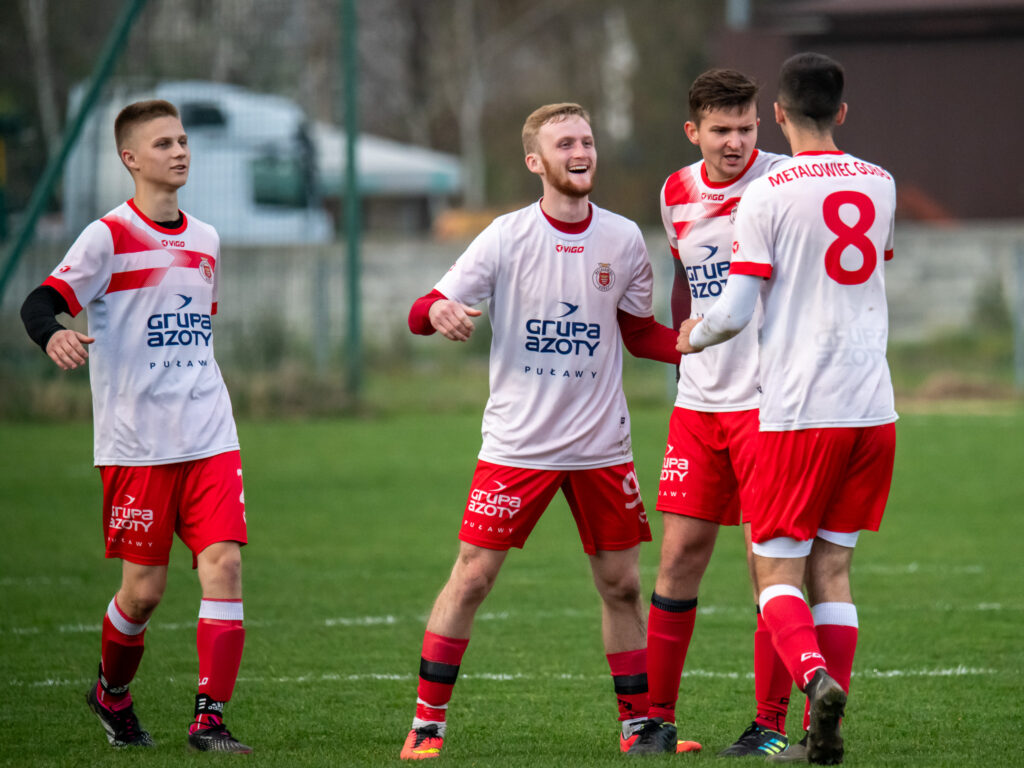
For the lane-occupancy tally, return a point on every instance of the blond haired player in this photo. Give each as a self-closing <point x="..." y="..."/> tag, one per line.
<point x="164" y="435"/>
<point x="566" y="283"/>
<point x="708" y="469"/>
<point x="812" y="238"/>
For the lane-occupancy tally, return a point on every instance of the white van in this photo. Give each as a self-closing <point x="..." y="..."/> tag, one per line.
<point x="253" y="173"/>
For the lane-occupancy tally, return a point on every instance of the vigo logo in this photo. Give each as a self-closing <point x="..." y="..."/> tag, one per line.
<point x="714" y="197"/>
<point x="127" y="517"/>
<point x="172" y="243"/>
<point x="494" y="503"/>
<point x="568" y="248"/>
<point x="707" y="280"/>
<point x="673" y="468"/>
<point x="562" y="337"/>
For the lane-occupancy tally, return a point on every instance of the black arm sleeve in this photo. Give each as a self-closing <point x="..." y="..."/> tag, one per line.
<point x="39" y="314"/>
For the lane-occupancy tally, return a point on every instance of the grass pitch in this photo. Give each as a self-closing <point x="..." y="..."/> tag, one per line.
<point x="353" y="526"/>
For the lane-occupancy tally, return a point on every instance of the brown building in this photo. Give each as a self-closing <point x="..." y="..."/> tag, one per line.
<point x="935" y="87"/>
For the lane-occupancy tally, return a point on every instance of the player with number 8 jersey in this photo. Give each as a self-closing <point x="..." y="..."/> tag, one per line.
<point x="827" y="290"/>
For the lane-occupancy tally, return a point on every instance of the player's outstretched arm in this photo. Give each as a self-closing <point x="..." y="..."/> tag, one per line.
<point x="730" y="315"/>
<point x="453" y="319"/>
<point x="69" y="349"/>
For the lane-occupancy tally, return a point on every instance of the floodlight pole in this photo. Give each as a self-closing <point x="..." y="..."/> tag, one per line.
<point x="353" y="217"/>
<point x="114" y="45"/>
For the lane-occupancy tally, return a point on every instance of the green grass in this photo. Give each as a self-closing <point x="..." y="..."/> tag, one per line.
<point x="353" y="526"/>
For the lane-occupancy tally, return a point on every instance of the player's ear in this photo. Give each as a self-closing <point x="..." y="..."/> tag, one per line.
<point x="128" y="158"/>
<point x="691" y="131"/>
<point x="780" y="115"/>
<point x="841" y="114"/>
<point x="534" y="164"/>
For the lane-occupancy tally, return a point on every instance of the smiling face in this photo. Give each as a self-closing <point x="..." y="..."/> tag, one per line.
<point x="565" y="157"/>
<point x="156" y="153"/>
<point x="726" y="138"/>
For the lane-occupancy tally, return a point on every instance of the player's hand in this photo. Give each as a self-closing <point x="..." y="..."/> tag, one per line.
<point x="683" y="343"/>
<point x="452" y="319"/>
<point x="68" y="349"/>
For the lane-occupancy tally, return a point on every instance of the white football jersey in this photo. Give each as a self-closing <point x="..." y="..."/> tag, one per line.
<point x="556" y="399"/>
<point x="819" y="228"/>
<point x="698" y="215"/>
<point x="150" y="292"/>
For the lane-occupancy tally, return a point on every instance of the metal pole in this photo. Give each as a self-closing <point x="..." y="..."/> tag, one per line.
<point x="113" y="47"/>
<point x="353" y="217"/>
<point x="1018" y="318"/>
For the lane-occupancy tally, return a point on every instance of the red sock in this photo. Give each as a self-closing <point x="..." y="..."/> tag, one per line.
<point x="439" y="669"/>
<point x="788" y="616"/>
<point x="219" y="642"/>
<point x="121" y="648"/>
<point x="772" y="682"/>
<point x="836" y="626"/>
<point x="629" y="674"/>
<point x="669" y="629"/>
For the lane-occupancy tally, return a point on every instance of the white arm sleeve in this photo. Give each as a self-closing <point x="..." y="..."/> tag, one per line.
<point x="731" y="312"/>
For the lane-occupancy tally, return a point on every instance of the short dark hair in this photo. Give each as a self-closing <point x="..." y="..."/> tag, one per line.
<point x="811" y="89"/>
<point x="139" y="112"/>
<point x="721" y="89"/>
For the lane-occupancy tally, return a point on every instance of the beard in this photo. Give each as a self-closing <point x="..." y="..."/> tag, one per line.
<point x="561" y="180"/>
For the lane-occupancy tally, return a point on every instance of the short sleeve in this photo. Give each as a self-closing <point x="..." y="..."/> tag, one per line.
<point x="84" y="273"/>
<point x="637" y="298"/>
<point x="472" y="278"/>
<point x="753" y="251"/>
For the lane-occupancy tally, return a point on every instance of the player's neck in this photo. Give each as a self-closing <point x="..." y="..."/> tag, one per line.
<point x="565" y="208"/>
<point x="157" y="204"/>
<point x="808" y="141"/>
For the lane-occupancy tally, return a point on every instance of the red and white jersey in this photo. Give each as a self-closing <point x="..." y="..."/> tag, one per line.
<point x="698" y="215"/>
<point x="819" y="229"/>
<point x="150" y="292"/>
<point x="556" y="399"/>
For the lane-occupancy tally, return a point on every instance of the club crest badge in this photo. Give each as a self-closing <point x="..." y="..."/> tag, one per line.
<point x="205" y="269"/>
<point x="603" y="277"/>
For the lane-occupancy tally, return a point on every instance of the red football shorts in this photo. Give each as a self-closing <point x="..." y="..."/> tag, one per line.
<point x="505" y="504"/>
<point x="708" y="469"/>
<point x="143" y="507"/>
<point x="836" y="478"/>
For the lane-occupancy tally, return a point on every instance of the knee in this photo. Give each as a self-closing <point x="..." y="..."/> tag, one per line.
<point x="471" y="582"/>
<point x="139" y="600"/>
<point x="620" y="589"/>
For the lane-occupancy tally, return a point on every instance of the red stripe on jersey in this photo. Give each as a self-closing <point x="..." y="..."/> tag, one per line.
<point x="888" y="255"/>
<point x="128" y="239"/>
<point x="723" y="209"/>
<point x="136" y="278"/>
<point x="66" y="291"/>
<point x="750" y="268"/>
<point x="675" y="252"/>
<point x="680" y="189"/>
<point x="214" y="310"/>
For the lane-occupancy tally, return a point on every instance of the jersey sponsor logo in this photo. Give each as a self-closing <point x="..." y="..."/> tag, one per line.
<point x="64" y="269"/>
<point x="172" y="243"/>
<point x="568" y="248"/>
<point x="672" y="468"/>
<point x="713" y="197"/>
<point x="603" y="277"/>
<point x="129" y="517"/>
<point x="494" y="503"/>
<point x="205" y="270"/>
<point x="712" y="250"/>
<point x="562" y="337"/>
<point x="563" y="373"/>
<point x="179" y="329"/>
<point x="707" y="280"/>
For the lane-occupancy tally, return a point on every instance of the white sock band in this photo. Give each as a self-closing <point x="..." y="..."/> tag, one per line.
<point x="778" y="590"/>
<point x="839" y="614"/>
<point x="224" y="610"/>
<point x="121" y="622"/>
